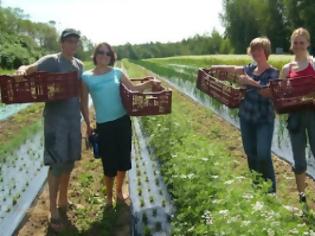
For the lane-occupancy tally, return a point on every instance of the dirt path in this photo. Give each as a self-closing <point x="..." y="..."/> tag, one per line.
<point x="89" y="216"/>
<point x="36" y="222"/>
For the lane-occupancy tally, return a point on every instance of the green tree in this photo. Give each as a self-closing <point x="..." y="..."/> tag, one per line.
<point x="242" y="21"/>
<point x="300" y="13"/>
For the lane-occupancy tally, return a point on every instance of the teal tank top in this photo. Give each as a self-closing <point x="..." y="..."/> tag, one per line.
<point x="105" y="93"/>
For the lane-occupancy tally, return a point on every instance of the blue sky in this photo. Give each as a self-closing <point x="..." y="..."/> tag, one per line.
<point x="121" y="21"/>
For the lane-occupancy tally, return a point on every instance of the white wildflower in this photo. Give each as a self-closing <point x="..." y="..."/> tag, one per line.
<point x="190" y="176"/>
<point x="183" y="176"/>
<point x="245" y="222"/>
<point x="258" y="206"/>
<point x="294" y="231"/>
<point x="248" y="196"/>
<point x="275" y="224"/>
<point x="296" y="211"/>
<point x="271" y="232"/>
<point x="240" y="177"/>
<point x="224" y="212"/>
<point x="233" y="219"/>
<point x="229" y="182"/>
<point x="207" y="217"/>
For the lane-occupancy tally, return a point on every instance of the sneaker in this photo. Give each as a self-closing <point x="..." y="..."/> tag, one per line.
<point x="302" y="197"/>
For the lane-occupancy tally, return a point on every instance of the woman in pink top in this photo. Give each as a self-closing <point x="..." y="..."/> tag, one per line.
<point x="301" y="124"/>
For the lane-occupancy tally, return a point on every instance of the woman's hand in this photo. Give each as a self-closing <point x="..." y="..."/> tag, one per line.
<point x="89" y="131"/>
<point x="148" y="78"/>
<point x="26" y="70"/>
<point x="246" y="80"/>
<point x="243" y="80"/>
<point x="152" y="85"/>
<point x="156" y="84"/>
<point x="21" y="71"/>
<point x="265" y="92"/>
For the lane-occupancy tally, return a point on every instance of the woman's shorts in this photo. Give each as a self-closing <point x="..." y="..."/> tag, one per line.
<point x="115" y="145"/>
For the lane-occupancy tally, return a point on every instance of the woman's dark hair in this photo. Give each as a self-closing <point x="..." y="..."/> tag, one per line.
<point x="110" y="50"/>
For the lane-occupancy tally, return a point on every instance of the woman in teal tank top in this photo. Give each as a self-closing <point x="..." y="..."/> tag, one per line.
<point x="113" y="122"/>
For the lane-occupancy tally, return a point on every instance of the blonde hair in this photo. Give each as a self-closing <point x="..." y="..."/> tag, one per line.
<point x="260" y="42"/>
<point x="300" y="32"/>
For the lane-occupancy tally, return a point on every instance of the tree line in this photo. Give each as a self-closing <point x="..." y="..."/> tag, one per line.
<point x="213" y="43"/>
<point x="245" y="19"/>
<point x="23" y="41"/>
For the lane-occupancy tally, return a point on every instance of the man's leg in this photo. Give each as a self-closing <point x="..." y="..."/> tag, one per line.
<point x="63" y="189"/>
<point x="64" y="184"/>
<point x="54" y="176"/>
<point x="53" y="184"/>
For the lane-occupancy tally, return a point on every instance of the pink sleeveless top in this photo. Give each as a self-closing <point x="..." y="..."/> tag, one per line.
<point x="308" y="71"/>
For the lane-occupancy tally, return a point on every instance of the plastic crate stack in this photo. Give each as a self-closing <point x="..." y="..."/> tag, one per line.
<point x="218" y="84"/>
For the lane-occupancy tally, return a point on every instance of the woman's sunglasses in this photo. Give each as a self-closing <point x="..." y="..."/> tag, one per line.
<point x="103" y="53"/>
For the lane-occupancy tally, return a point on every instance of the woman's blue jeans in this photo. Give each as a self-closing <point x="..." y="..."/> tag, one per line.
<point x="257" y="140"/>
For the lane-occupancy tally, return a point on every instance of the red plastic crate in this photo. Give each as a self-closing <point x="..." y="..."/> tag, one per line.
<point x="39" y="87"/>
<point x="290" y="95"/>
<point x="222" y="74"/>
<point x="216" y="88"/>
<point x="156" y="102"/>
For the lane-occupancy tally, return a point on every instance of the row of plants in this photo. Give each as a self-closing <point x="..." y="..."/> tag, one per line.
<point x="151" y="206"/>
<point x="205" y="61"/>
<point x="27" y="162"/>
<point x="184" y="76"/>
<point x="20" y="161"/>
<point x="16" y="130"/>
<point x="185" y="69"/>
<point x="281" y="143"/>
<point x="212" y="191"/>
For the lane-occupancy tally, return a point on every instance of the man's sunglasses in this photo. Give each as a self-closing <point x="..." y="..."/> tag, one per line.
<point x="103" y="53"/>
